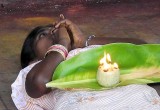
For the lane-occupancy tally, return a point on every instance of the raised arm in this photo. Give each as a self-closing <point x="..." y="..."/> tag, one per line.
<point x="42" y="72"/>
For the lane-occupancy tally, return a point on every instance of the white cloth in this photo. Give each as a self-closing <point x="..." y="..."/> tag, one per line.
<point x="131" y="97"/>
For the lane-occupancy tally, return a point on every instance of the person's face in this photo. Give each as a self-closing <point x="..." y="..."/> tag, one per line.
<point x="44" y="40"/>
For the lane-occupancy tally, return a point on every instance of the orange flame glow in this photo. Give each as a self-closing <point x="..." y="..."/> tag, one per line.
<point x="106" y="63"/>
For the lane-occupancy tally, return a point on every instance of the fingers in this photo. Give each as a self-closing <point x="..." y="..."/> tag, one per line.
<point x="61" y="17"/>
<point x="66" y="22"/>
<point x="62" y="31"/>
<point x="53" y="30"/>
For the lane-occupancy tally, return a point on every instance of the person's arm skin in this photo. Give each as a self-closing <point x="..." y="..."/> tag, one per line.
<point x="42" y="72"/>
<point x="107" y="40"/>
<point x="76" y="35"/>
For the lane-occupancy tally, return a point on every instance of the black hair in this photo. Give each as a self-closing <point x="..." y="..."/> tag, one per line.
<point x="27" y="52"/>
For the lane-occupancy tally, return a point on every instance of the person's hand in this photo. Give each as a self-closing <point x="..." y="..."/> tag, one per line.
<point x="77" y="37"/>
<point x="63" y="37"/>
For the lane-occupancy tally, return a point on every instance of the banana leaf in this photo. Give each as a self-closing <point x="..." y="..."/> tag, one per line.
<point x="138" y="64"/>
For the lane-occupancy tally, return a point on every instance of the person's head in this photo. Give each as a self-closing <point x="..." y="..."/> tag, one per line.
<point x="36" y="44"/>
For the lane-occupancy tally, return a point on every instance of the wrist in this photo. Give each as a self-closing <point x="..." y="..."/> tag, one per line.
<point x="66" y="44"/>
<point x="58" y="48"/>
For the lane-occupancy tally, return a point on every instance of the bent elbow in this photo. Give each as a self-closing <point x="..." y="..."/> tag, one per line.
<point x="35" y="86"/>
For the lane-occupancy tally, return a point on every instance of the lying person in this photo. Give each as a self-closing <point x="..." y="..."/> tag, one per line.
<point x="44" y="49"/>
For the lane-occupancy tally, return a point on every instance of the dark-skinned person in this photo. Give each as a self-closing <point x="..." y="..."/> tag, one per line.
<point x="45" y="48"/>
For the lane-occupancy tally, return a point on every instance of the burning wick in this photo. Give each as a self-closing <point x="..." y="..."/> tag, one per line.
<point x="108" y="73"/>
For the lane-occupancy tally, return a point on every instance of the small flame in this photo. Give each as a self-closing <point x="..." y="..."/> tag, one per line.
<point x="108" y="58"/>
<point x="115" y="65"/>
<point x="103" y="60"/>
<point x="106" y="63"/>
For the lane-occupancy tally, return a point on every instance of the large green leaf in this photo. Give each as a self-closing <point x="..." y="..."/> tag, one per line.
<point x="138" y="64"/>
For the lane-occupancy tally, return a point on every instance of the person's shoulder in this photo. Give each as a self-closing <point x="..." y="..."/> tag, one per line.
<point x="22" y="75"/>
<point x="19" y="94"/>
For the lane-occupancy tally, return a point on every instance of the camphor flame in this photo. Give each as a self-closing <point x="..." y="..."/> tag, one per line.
<point x="106" y="63"/>
<point x="115" y="65"/>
